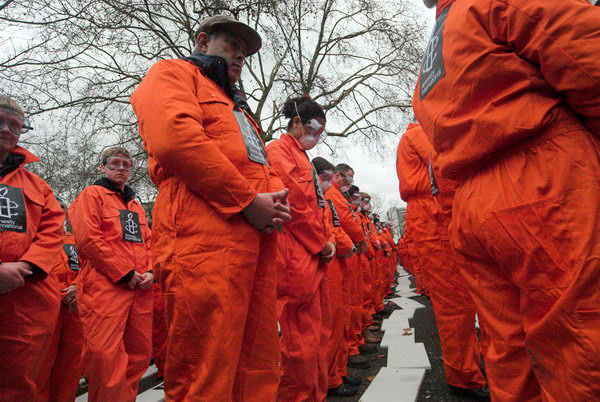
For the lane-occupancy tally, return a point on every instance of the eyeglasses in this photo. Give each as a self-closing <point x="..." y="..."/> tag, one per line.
<point x="112" y="164"/>
<point x="16" y="123"/>
<point x="326" y="175"/>
<point x="349" y="180"/>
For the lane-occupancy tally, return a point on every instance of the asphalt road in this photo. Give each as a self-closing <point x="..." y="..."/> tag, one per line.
<point x="434" y="386"/>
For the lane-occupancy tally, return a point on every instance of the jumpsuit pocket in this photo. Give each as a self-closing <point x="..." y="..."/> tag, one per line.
<point x="531" y="242"/>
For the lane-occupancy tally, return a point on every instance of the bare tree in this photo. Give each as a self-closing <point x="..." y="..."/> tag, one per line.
<point x="75" y="63"/>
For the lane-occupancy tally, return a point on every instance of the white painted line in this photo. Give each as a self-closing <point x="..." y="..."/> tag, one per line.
<point x="408" y="356"/>
<point x="394" y="385"/>
<point x="398" y="337"/>
<point x="152" y="395"/>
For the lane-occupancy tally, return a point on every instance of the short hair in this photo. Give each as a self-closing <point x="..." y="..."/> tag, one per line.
<point x="11" y="104"/>
<point x="113" y="151"/>
<point x="353" y="190"/>
<point x="322" y="164"/>
<point x="365" y="195"/>
<point x="342" y="167"/>
<point x="303" y="107"/>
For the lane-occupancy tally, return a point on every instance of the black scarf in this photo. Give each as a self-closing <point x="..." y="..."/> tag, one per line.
<point x="127" y="195"/>
<point x="216" y="68"/>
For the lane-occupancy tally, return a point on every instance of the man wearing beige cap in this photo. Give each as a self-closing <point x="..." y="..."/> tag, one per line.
<point x="218" y="202"/>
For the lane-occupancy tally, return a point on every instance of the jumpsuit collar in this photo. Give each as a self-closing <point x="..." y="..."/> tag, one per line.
<point x="128" y="194"/>
<point x="19" y="156"/>
<point x="216" y="69"/>
<point x="442" y="5"/>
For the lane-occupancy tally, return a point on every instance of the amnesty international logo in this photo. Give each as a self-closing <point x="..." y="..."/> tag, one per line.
<point x="130" y="226"/>
<point x="430" y="54"/>
<point x="72" y="256"/>
<point x="8" y="208"/>
<point x="432" y="66"/>
<point x="12" y="209"/>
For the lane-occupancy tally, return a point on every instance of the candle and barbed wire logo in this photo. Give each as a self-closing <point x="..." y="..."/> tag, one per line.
<point x="130" y="225"/>
<point x="12" y="209"/>
<point x="72" y="256"/>
<point x="8" y="208"/>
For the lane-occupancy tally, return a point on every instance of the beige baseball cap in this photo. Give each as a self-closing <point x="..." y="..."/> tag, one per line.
<point x="252" y="38"/>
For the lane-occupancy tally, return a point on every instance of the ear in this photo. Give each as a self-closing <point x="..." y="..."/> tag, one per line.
<point x="297" y="122"/>
<point x="202" y="42"/>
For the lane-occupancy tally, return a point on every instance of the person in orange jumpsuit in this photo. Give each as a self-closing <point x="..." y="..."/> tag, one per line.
<point x="343" y="178"/>
<point x="114" y="296"/>
<point x="30" y="242"/>
<point x="339" y="383"/>
<point x="366" y="274"/>
<point x="306" y="242"/>
<point x="62" y="367"/>
<point x="453" y="308"/>
<point x="520" y="133"/>
<point x="218" y="202"/>
<point x="159" y="331"/>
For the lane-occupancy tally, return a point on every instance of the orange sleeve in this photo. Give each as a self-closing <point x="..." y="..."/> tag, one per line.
<point x="304" y="226"/>
<point x="343" y="243"/>
<point x="85" y="216"/>
<point x="562" y="39"/>
<point x="171" y="118"/>
<point x="350" y="226"/>
<point x="45" y="247"/>
<point x="411" y="166"/>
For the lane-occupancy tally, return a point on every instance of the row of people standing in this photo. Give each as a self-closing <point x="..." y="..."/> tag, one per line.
<point x="244" y="234"/>
<point x="73" y="303"/>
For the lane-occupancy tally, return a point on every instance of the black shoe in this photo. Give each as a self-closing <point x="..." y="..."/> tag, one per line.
<point x="343" y="390"/>
<point x="356" y="381"/>
<point x="368" y="348"/>
<point x="474" y="394"/>
<point x="358" y="361"/>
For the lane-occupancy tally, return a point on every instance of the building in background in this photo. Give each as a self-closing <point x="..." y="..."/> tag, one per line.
<point x="396" y="216"/>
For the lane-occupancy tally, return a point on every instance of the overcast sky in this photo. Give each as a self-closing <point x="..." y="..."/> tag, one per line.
<point x="376" y="174"/>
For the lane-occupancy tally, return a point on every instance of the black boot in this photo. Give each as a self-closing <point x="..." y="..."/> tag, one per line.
<point x="343" y="391"/>
<point x="474" y="394"/>
<point x="368" y="348"/>
<point x="356" y="381"/>
<point x="358" y="361"/>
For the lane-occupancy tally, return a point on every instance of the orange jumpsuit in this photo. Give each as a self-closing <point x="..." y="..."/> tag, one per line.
<point x="351" y="225"/>
<point x="366" y="276"/>
<point x="454" y="310"/>
<point x="339" y="300"/>
<point x="302" y="295"/>
<point x="62" y="368"/>
<point x="521" y="135"/>
<point x="215" y="269"/>
<point x="159" y="330"/>
<point x="113" y="239"/>
<point x="411" y="167"/>
<point x="28" y="314"/>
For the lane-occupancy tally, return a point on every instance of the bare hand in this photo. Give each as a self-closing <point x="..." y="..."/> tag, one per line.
<point x="147" y="281"/>
<point x="69" y="296"/>
<point x="350" y="254"/>
<point x="135" y="279"/>
<point x="268" y="210"/>
<point x="362" y="247"/>
<point x="12" y="275"/>
<point x="328" y="252"/>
